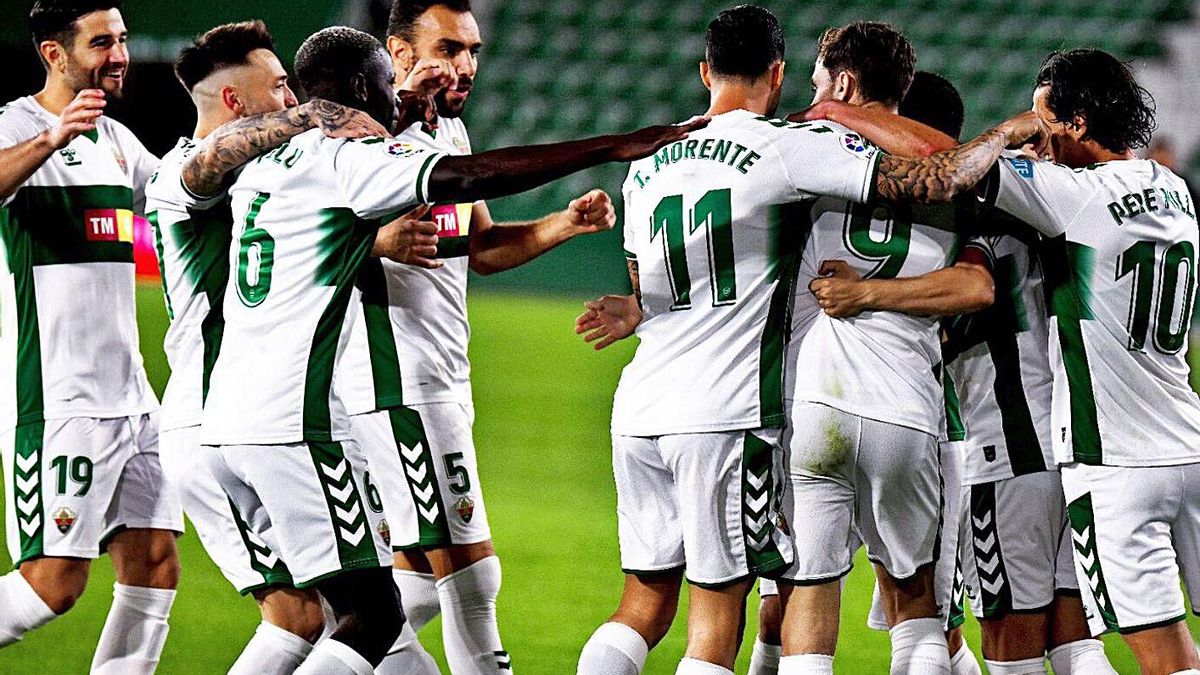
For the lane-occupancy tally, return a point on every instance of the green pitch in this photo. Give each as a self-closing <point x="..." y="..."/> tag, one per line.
<point x="543" y="403"/>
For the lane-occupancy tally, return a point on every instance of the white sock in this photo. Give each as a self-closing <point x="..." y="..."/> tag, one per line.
<point x="919" y="648"/>
<point x="1034" y="666"/>
<point x="764" y="660"/>
<point x="408" y="656"/>
<point x="806" y="664"/>
<point x="697" y="667"/>
<point x="418" y="596"/>
<point x="272" y="651"/>
<point x="469" y="631"/>
<point x="1082" y="657"/>
<point x="614" y="649"/>
<point x="964" y="662"/>
<point x="23" y="610"/>
<point x="331" y="657"/>
<point x="134" y="632"/>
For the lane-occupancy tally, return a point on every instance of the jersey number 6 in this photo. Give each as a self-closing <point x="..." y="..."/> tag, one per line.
<point x="256" y="257"/>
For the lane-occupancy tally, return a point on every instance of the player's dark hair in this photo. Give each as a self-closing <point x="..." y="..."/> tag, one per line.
<point x="330" y="58"/>
<point x="932" y="100"/>
<point x="1096" y="86"/>
<point x="55" y="19"/>
<point x="744" y="41"/>
<point x="404" y="15"/>
<point x="877" y="54"/>
<point x="222" y="47"/>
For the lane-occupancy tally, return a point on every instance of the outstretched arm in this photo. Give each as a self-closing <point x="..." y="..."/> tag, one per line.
<point x="496" y="247"/>
<point x="236" y="143"/>
<point x="941" y="177"/>
<point x="507" y="171"/>
<point x="20" y="161"/>
<point x="966" y="287"/>
<point x="897" y="135"/>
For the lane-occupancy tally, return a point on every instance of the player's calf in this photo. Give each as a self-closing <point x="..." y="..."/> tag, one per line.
<point x="39" y="591"/>
<point x="764" y="660"/>
<point x="368" y="620"/>
<point x="647" y="609"/>
<point x="716" y="616"/>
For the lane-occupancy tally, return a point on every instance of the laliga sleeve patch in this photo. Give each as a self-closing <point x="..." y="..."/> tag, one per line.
<point x="1024" y="167"/>
<point x="401" y="149"/>
<point x="855" y="145"/>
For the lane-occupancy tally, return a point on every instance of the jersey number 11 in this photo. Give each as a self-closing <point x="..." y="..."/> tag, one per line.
<point x="713" y="212"/>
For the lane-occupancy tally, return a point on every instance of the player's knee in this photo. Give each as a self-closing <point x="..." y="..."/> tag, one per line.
<point x="651" y="617"/>
<point x="58" y="582"/>
<point x="770" y="619"/>
<point x="296" y="611"/>
<point x="147" y="558"/>
<point x="367" y="607"/>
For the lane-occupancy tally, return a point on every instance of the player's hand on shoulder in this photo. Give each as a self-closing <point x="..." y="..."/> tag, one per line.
<point x="79" y="117"/>
<point x="608" y="319"/>
<point x="593" y="212"/>
<point x="645" y="142"/>
<point x="412" y="108"/>
<point x="339" y="121"/>
<point x="839" y="290"/>
<point x="409" y="240"/>
<point x="430" y="76"/>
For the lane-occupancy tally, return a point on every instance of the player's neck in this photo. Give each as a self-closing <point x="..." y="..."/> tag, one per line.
<point x="1094" y="153"/>
<point x="729" y="98"/>
<point x="893" y="108"/>
<point x="208" y="121"/>
<point x="55" y="96"/>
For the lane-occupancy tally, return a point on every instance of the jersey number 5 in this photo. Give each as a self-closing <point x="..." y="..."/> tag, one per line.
<point x="256" y="257"/>
<point x="713" y="212"/>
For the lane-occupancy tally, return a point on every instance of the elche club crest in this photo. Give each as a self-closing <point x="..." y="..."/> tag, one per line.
<point x="64" y="519"/>
<point x="385" y="531"/>
<point x="465" y="506"/>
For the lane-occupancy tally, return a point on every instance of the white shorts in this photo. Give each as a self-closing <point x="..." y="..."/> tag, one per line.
<point x="423" y="460"/>
<point x="307" y="503"/>
<point x="1136" y="532"/>
<point x="857" y="481"/>
<point x="947" y="576"/>
<point x="1016" y="555"/>
<point x="705" y="502"/>
<point x="71" y="484"/>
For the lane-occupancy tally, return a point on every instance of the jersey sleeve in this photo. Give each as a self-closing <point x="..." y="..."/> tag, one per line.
<point x="1047" y="196"/>
<point x="980" y="250"/>
<point x="824" y="160"/>
<point x="15" y="128"/>
<point x="166" y="187"/>
<point x="380" y="176"/>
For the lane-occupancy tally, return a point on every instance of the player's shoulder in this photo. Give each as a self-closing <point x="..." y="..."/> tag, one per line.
<point x="21" y="117"/>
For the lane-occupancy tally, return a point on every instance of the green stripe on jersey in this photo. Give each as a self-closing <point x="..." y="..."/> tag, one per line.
<point x="955" y="430"/>
<point x="18" y="250"/>
<point x="56" y="220"/>
<point x="381" y="342"/>
<point x="1068" y="270"/>
<point x="791" y="224"/>
<point x="345" y="242"/>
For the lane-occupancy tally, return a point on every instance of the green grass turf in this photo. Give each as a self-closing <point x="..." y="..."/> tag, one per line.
<point x="543" y="403"/>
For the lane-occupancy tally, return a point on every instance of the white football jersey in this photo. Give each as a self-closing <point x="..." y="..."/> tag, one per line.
<point x="1120" y="275"/>
<point x="305" y="217"/>
<point x="409" y="344"/>
<point x="879" y="365"/>
<point x="708" y="222"/>
<point x="68" y="322"/>
<point x="999" y="360"/>
<point x="192" y="236"/>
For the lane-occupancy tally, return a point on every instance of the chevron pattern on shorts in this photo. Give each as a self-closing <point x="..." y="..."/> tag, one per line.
<point x="348" y="516"/>
<point x="27" y="492"/>
<point x="421" y="481"/>
<point x="1087" y="556"/>
<point x="757" y="517"/>
<point x="988" y="563"/>
<point x="503" y="660"/>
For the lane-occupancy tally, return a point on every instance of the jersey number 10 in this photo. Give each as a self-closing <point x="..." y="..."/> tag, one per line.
<point x="713" y="212"/>
<point x="1139" y="260"/>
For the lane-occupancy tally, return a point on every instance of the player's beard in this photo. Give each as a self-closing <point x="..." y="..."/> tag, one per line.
<point x="450" y="105"/>
<point x="96" y="79"/>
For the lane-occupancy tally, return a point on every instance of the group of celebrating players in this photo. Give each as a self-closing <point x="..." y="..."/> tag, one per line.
<point x="854" y="331"/>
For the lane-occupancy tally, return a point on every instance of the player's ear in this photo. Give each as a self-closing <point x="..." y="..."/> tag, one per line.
<point x="403" y="56"/>
<point x="231" y="100"/>
<point x="777" y="74"/>
<point x="358" y="86"/>
<point x="844" y="86"/>
<point x="54" y="54"/>
<point x="1078" y="128"/>
<point x="705" y="75"/>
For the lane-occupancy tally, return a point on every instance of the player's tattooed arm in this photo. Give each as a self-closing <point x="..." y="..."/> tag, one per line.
<point x="635" y="279"/>
<point x="237" y="142"/>
<point x="20" y="161"/>
<point x="897" y="135"/>
<point x="507" y="171"/>
<point x="943" y="176"/>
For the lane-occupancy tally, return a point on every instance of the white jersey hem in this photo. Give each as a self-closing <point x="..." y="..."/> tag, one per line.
<point x="864" y="412"/>
<point x="651" y="432"/>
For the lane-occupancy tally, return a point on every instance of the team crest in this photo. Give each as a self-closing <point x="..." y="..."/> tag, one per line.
<point x="466" y="508"/>
<point x="385" y="531"/>
<point x="854" y="144"/>
<point x="121" y="161"/>
<point x="402" y="149"/>
<point x="781" y="524"/>
<point x="461" y="145"/>
<point x="64" y="518"/>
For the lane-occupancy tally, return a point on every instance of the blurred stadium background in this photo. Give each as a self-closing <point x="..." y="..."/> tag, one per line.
<point x="552" y="71"/>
